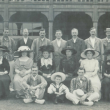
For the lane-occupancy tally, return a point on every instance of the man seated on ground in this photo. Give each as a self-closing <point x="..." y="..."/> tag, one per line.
<point x="81" y="91"/>
<point x="57" y="90"/>
<point x="34" y="86"/>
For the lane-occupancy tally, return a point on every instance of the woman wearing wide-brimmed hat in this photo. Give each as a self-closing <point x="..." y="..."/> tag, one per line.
<point x="69" y="64"/>
<point x="106" y="76"/>
<point x="46" y="64"/>
<point x="91" y="66"/>
<point x="4" y="71"/>
<point x="22" y="68"/>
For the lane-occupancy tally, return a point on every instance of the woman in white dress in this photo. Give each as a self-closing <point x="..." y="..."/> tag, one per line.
<point x="91" y="66"/>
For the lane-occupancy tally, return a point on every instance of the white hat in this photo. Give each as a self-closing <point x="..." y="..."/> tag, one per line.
<point x="24" y="49"/>
<point x="96" y="53"/>
<point x="63" y="76"/>
<point x="79" y="92"/>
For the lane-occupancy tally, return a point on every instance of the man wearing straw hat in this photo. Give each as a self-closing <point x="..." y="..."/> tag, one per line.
<point x="81" y="91"/>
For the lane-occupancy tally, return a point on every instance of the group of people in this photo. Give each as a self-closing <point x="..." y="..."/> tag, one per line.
<point x="40" y="69"/>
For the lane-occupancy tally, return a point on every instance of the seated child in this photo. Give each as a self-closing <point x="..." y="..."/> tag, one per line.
<point x="81" y="91"/>
<point x="57" y="90"/>
<point x="34" y="86"/>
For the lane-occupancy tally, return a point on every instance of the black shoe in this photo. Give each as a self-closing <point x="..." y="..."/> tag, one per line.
<point x="86" y="100"/>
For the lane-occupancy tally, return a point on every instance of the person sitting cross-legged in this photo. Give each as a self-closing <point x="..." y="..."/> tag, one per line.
<point x="81" y="91"/>
<point x="34" y="86"/>
<point x="57" y="90"/>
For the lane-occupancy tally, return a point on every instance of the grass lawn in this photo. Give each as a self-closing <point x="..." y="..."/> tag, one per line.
<point x="18" y="104"/>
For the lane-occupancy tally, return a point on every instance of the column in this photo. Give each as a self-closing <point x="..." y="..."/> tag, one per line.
<point x="51" y="30"/>
<point x="51" y="20"/>
<point x="6" y="18"/>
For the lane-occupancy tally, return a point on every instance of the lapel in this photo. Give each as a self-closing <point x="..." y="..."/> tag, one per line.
<point x="23" y="41"/>
<point x="105" y="42"/>
<point x="96" y="42"/>
<point x="57" y="44"/>
<point x="89" y="41"/>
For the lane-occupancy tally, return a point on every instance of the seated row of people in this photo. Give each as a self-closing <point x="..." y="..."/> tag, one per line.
<point x="68" y="66"/>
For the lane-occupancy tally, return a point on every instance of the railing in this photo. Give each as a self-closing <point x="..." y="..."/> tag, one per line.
<point x="38" y="1"/>
<point x="59" y="1"/>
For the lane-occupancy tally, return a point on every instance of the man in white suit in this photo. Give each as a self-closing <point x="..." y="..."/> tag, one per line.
<point x="58" y="45"/>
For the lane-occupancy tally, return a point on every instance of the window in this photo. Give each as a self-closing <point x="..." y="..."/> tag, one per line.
<point x="16" y="28"/>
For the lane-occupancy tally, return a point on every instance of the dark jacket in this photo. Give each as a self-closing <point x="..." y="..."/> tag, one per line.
<point x="22" y="43"/>
<point x="47" y="70"/>
<point x="79" y="46"/>
<point x="69" y="66"/>
<point x="4" y="66"/>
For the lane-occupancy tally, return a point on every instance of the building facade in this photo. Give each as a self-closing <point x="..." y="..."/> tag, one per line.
<point x="53" y="15"/>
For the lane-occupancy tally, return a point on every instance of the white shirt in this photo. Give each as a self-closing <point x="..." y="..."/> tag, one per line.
<point x="74" y="40"/>
<point x="34" y="78"/>
<point x="1" y="60"/>
<point x="25" y="40"/>
<point x="59" y="42"/>
<point x="108" y="39"/>
<point x="92" y="41"/>
<point x="42" y="39"/>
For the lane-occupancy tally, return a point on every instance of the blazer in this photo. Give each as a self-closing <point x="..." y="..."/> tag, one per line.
<point x="97" y="46"/>
<point x="57" y="50"/>
<point x="85" y="86"/>
<point x="79" y="46"/>
<point x="36" y="55"/>
<point x="22" y="43"/>
<point x="106" y="46"/>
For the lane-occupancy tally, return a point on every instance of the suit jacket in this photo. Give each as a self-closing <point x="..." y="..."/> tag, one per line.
<point x="35" y="47"/>
<point x="57" y="51"/>
<point x="79" y="46"/>
<point x="97" y="46"/>
<point x="85" y="86"/>
<point x="22" y="43"/>
<point x="106" y="46"/>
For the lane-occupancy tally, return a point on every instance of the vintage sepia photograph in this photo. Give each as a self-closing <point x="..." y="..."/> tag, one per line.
<point x="54" y="54"/>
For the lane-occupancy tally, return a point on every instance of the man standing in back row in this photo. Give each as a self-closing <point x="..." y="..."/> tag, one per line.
<point x="42" y="40"/>
<point x="58" y="45"/>
<point x="77" y="43"/>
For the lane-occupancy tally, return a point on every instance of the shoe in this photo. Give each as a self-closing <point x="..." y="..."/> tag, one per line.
<point x="20" y="96"/>
<point x="27" y="100"/>
<point x="86" y="100"/>
<point x="87" y="103"/>
<point x="11" y="89"/>
<point x="42" y="101"/>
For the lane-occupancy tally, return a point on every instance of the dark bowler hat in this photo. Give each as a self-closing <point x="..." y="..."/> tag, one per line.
<point x="4" y="48"/>
<point x="68" y="48"/>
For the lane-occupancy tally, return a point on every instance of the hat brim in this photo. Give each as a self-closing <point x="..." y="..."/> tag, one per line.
<point x="63" y="76"/>
<point x="24" y="51"/>
<point x="79" y="93"/>
<point x="64" y="51"/>
<point x="96" y="53"/>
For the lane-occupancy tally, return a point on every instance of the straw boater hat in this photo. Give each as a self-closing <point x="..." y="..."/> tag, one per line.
<point x="79" y="92"/>
<point x="96" y="53"/>
<point x="23" y="49"/>
<point x="59" y="74"/>
<point x="107" y="30"/>
<point x="48" y="48"/>
<point x="68" y="48"/>
<point x="4" y="48"/>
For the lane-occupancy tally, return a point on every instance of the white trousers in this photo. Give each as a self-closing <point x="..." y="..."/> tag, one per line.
<point x="75" y="99"/>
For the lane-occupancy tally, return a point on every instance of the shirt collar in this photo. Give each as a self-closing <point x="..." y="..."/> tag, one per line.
<point x="6" y="39"/>
<point x="108" y="39"/>
<point x="25" y="38"/>
<point x="92" y="37"/>
<point x="34" y="78"/>
<point x="58" y="39"/>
